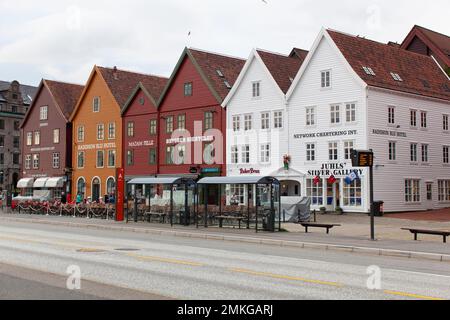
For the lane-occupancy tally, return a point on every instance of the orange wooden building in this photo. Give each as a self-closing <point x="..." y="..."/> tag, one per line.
<point x="97" y="130"/>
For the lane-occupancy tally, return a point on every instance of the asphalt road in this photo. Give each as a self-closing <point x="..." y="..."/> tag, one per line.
<point x="34" y="259"/>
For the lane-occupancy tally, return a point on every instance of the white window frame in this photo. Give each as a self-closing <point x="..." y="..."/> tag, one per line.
<point x="80" y="133"/>
<point x="245" y="154"/>
<point x="391" y="115"/>
<point x="81" y="155"/>
<point x="56" y="161"/>
<point x="349" y="146"/>
<point x="234" y="154"/>
<point x="278" y="118"/>
<point x="236" y="120"/>
<point x="97" y="165"/>
<point x="101" y="136"/>
<point x="445" y="155"/>
<point x="37" y="138"/>
<point x="256" y="89"/>
<point x="29" y="138"/>
<point x="112" y="151"/>
<point x="325" y="79"/>
<point x="424" y="151"/>
<point x="423" y="119"/>
<point x="412" y="191"/>
<point x="265" y="153"/>
<point x="350" y="112"/>
<point x="248" y="122"/>
<point x="43" y="113"/>
<point x="333" y="150"/>
<point x="310" y="116"/>
<point x="265" y="120"/>
<point x="36" y="159"/>
<point x="335" y="114"/>
<point x="413" y="118"/>
<point x="56" y="136"/>
<point x="111" y="129"/>
<point x="96" y="104"/>
<point x="310" y="148"/>
<point x="392" y="150"/>
<point x="28" y="161"/>
<point x="445" y="126"/>
<point x="413" y="157"/>
<point x="443" y="191"/>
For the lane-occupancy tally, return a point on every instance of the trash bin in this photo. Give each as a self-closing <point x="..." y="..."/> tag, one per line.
<point x="378" y="208"/>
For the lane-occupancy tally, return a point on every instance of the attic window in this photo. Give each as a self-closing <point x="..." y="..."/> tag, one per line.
<point x="219" y="73"/>
<point x="227" y="84"/>
<point x="291" y="79"/>
<point x="396" y="77"/>
<point x="369" y="71"/>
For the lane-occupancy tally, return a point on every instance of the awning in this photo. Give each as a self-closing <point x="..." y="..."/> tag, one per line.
<point x="168" y="180"/>
<point x="57" y="182"/>
<point x="25" y="183"/>
<point x="40" y="183"/>
<point x="239" y="180"/>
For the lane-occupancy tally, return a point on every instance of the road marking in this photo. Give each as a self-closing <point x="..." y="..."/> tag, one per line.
<point x="280" y="276"/>
<point x="411" y="295"/>
<point x="168" y="260"/>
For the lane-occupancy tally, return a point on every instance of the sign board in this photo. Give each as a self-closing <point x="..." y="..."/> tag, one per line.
<point x="362" y="158"/>
<point x="211" y="170"/>
<point x="120" y="193"/>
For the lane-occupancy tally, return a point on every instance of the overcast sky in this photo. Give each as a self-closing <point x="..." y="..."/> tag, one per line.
<point x="62" y="40"/>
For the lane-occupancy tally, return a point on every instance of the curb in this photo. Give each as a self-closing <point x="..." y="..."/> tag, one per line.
<point x="250" y="240"/>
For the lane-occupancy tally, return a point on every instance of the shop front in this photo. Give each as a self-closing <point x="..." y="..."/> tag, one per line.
<point x="335" y="186"/>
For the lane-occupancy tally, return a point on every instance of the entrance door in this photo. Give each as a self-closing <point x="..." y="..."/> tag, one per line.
<point x="95" y="190"/>
<point x="429" y="199"/>
<point x="337" y="194"/>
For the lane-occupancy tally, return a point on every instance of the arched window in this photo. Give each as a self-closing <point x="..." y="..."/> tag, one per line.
<point x="110" y="186"/>
<point x="81" y="185"/>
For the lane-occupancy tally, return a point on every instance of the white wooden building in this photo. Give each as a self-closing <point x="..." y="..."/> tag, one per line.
<point x="355" y="93"/>
<point x="257" y="120"/>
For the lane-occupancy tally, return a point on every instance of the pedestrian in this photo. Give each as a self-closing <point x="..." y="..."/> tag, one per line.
<point x="63" y="198"/>
<point x="79" y="198"/>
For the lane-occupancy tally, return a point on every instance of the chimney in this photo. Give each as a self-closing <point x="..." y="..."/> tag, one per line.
<point x="115" y="75"/>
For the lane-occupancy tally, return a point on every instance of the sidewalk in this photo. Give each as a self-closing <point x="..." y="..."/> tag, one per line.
<point x="317" y="239"/>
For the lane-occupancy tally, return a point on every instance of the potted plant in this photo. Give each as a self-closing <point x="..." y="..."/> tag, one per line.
<point x="286" y="161"/>
<point x="339" y="211"/>
<point x="323" y="210"/>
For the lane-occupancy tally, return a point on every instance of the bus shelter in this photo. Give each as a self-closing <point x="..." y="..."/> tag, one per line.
<point x="165" y="199"/>
<point x="252" y="201"/>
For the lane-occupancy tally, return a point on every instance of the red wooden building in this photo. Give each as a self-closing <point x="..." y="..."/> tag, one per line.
<point x="192" y="127"/>
<point x="140" y="129"/>
<point x="47" y="139"/>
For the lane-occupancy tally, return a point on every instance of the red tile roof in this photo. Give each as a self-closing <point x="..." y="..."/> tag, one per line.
<point x="438" y="43"/>
<point x="155" y="86"/>
<point x="421" y="75"/>
<point x="283" y="68"/>
<point x="65" y="94"/>
<point x="122" y="83"/>
<point x="209" y="63"/>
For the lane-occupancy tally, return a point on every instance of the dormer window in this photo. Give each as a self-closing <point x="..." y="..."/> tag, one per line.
<point x="219" y="73"/>
<point x="396" y="77"/>
<point x="369" y="71"/>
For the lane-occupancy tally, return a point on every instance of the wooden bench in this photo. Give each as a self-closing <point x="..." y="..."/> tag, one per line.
<point x="236" y="218"/>
<point x="444" y="234"/>
<point x="161" y="215"/>
<point x="319" y="225"/>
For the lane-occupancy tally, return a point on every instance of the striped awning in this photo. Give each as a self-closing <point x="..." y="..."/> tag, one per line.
<point x="25" y="183"/>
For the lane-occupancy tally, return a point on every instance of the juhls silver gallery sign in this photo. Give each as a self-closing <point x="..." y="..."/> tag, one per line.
<point x="326" y="134"/>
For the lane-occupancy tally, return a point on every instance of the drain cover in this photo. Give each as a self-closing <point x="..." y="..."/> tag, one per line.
<point x="90" y="250"/>
<point x="126" y="249"/>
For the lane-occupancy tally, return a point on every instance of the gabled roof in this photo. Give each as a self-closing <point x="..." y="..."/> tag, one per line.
<point x="152" y="88"/>
<point x="420" y="74"/>
<point x="28" y="92"/>
<point x="121" y="84"/>
<point x="65" y="96"/>
<point x="439" y="43"/>
<point x="283" y="68"/>
<point x="207" y="64"/>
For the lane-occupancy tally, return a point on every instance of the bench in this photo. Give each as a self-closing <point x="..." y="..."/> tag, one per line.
<point x="444" y="234"/>
<point x="221" y="218"/>
<point x="161" y="215"/>
<point x="319" y="225"/>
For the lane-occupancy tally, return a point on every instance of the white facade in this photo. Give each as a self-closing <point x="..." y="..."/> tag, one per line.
<point x="267" y="141"/>
<point x="345" y="88"/>
<point x="328" y="111"/>
<point x="390" y="175"/>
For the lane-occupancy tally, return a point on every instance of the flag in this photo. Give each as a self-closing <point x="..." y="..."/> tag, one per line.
<point x="352" y="177"/>
<point x="316" y="180"/>
<point x="332" y="180"/>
